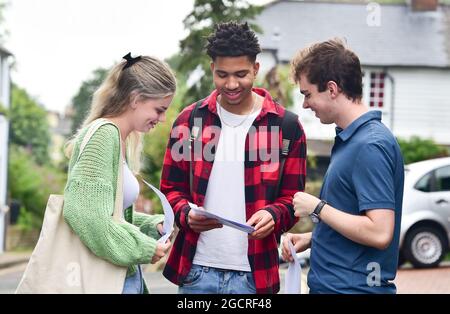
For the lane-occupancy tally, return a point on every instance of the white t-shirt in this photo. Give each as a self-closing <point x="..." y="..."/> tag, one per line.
<point x="226" y="247"/>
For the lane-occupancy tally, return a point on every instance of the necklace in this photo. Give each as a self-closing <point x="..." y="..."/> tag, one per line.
<point x="240" y="123"/>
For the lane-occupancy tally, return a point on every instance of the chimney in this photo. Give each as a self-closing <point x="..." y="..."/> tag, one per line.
<point x="424" y="5"/>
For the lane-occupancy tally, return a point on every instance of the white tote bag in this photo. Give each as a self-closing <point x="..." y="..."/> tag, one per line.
<point x="60" y="262"/>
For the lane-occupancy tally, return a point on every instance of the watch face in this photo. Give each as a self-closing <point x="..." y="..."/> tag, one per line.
<point x="314" y="218"/>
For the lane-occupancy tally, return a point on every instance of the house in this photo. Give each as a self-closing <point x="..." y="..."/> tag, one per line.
<point x="5" y="90"/>
<point x="60" y="130"/>
<point x="404" y="51"/>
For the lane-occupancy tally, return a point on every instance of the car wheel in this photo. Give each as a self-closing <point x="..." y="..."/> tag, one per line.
<point x="424" y="247"/>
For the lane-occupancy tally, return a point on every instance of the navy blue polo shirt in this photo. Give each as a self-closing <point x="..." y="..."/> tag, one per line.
<point x="365" y="172"/>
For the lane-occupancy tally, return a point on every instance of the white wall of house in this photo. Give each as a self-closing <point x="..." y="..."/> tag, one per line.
<point x="4" y="126"/>
<point x="312" y="126"/>
<point x="415" y="102"/>
<point x="266" y="61"/>
<point x="422" y="103"/>
<point x="315" y="130"/>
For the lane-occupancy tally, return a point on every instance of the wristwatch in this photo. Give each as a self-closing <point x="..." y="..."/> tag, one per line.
<point x="315" y="214"/>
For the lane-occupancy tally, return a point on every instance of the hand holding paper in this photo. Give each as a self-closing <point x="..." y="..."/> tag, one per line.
<point x="264" y="224"/>
<point x="160" y="251"/>
<point x="292" y="281"/>
<point x="217" y="221"/>
<point x="199" y="222"/>
<point x="301" y="241"/>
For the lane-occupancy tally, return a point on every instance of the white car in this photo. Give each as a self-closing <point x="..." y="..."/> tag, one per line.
<point x="425" y="228"/>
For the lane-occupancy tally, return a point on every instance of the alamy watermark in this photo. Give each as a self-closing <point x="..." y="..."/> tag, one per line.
<point x="201" y="144"/>
<point x="73" y="277"/>
<point x="373" y="18"/>
<point x="374" y="277"/>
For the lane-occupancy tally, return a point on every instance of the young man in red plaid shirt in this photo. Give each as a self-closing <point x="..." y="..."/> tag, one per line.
<point x="234" y="173"/>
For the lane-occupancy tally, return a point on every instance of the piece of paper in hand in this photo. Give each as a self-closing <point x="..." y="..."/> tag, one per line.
<point x="292" y="281"/>
<point x="226" y="222"/>
<point x="168" y="213"/>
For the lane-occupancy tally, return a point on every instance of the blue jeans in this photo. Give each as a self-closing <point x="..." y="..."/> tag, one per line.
<point x="134" y="284"/>
<point x="203" y="279"/>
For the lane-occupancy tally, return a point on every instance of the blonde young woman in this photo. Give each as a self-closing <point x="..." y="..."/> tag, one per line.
<point x="134" y="98"/>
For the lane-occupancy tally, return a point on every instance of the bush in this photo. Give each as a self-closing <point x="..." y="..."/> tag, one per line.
<point x="418" y="149"/>
<point x="31" y="185"/>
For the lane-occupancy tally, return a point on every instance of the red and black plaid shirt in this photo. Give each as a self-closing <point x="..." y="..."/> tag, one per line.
<point x="263" y="253"/>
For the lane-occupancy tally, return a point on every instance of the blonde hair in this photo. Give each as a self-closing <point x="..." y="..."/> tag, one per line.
<point x="149" y="77"/>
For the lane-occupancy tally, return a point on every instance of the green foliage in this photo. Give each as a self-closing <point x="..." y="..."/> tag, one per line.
<point x="81" y="102"/>
<point x="417" y="149"/>
<point x="200" y="23"/>
<point x="29" y="125"/>
<point x="31" y="184"/>
<point x="155" y="144"/>
<point x="277" y="81"/>
<point x="311" y="161"/>
<point x="4" y="111"/>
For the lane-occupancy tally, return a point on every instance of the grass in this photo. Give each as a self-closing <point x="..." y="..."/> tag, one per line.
<point x="447" y="257"/>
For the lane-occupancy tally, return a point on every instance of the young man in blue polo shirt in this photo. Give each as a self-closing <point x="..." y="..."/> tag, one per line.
<point x="354" y="245"/>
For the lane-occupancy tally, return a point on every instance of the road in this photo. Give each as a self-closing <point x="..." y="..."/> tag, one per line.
<point x="157" y="284"/>
<point x="408" y="280"/>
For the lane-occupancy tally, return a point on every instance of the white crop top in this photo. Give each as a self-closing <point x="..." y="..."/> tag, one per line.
<point x="130" y="187"/>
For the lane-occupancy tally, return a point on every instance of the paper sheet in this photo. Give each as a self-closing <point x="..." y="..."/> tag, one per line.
<point x="292" y="281"/>
<point x="226" y="222"/>
<point x="168" y="213"/>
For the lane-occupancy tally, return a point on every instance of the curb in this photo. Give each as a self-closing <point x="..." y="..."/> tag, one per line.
<point x="10" y="259"/>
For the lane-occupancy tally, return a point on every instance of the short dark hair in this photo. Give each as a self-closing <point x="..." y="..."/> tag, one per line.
<point x="328" y="61"/>
<point x="233" y="39"/>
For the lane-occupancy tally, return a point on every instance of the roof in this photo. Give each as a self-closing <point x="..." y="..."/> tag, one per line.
<point x="404" y="37"/>
<point x="4" y="51"/>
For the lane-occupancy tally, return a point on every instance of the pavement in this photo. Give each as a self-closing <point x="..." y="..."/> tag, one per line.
<point x="408" y="280"/>
<point x="10" y="259"/>
<point x="429" y="281"/>
<point x="12" y="266"/>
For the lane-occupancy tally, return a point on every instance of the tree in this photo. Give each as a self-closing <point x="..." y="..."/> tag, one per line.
<point x="29" y="125"/>
<point x="81" y="102"/>
<point x="200" y="22"/>
<point x="155" y="144"/>
<point x="277" y="81"/>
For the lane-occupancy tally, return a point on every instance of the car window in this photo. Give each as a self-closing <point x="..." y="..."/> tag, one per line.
<point x="443" y="179"/>
<point x="424" y="184"/>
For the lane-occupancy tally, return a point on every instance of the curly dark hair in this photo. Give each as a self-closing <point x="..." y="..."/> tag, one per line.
<point x="233" y="39"/>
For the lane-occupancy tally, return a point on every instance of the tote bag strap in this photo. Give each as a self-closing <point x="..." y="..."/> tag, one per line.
<point x="118" y="204"/>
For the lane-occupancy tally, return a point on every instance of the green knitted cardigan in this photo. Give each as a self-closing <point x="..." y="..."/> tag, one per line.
<point x="89" y="204"/>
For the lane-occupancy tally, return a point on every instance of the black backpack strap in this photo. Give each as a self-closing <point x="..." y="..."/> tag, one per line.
<point x="289" y="125"/>
<point x="194" y="132"/>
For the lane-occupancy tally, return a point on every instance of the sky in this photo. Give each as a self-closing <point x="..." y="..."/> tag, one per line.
<point x="58" y="43"/>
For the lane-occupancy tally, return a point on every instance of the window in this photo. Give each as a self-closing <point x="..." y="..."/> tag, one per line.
<point x="424" y="184"/>
<point x="377" y="89"/>
<point x="443" y="179"/>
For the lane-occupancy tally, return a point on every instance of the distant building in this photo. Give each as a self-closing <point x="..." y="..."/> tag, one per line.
<point x="60" y="130"/>
<point x="5" y="92"/>
<point x="404" y="51"/>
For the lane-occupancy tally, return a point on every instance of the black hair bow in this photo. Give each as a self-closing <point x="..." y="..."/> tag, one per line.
<point x="130" y="60"/>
